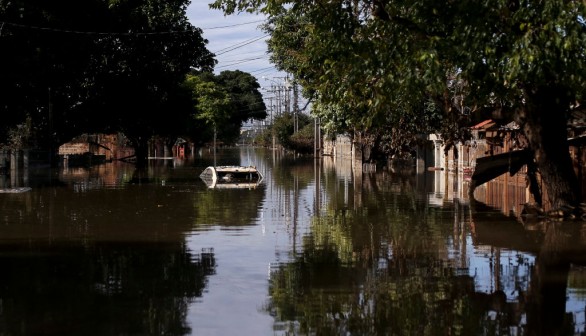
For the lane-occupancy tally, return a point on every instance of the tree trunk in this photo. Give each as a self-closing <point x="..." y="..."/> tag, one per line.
<point x="141" y="151"/>
<point x="544" y="124"/>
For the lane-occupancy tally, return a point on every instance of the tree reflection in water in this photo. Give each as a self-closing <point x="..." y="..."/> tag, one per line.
<point x="106" y="254"/>
<point x="102" y="289"/>
<point x="561" y="247"/>
<point x="94" y="255"/>
<point x="412" y="296"/>
<point x="382" y="270"/>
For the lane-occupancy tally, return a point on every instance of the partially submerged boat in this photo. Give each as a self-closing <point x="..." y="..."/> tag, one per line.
<point x="231" y="177"/>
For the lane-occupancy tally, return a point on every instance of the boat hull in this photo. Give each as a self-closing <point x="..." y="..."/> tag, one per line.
<point x="226" y="177"/>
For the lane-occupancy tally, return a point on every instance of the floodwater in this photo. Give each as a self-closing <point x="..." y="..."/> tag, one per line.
<point x="315" y="249"/>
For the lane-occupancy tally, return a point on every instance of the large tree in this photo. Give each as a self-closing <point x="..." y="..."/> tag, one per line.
<point x="246" y="100"/>
<point x="244" y="103"/>
<point x="98" y="65"/>
<point x="375" y="61"/>
<point x="212" y="102"/>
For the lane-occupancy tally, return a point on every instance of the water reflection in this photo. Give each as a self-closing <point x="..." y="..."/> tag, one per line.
<point x="101" y="289"/>
<point x="90" y="252"/>
<point x="111" y="250"/>
<point x="389" y="261"/>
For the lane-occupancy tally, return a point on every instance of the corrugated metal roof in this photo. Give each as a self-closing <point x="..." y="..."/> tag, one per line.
<point x="484" y="125"/>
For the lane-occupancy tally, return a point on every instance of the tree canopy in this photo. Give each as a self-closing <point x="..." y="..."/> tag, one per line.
<point x="241" y="101"/>
<point x="212" y="101"/>
<point x="428" y="66"/>
<point x="97" y="66"/>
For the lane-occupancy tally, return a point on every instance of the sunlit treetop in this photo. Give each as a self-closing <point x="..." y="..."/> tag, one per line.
<point x="380" y="56"/>
<point x="385" y="68"/>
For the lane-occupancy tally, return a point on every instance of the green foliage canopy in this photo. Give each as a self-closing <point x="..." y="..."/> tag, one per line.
<point x="212" y="101"/>
<point x="246" y="102"/>
<point x="301" y="141"/>
<point x="382" y="55"/>
<point x="235" y="94"/>
<point x="97" y="66"/>
<point x="380" y="62"/>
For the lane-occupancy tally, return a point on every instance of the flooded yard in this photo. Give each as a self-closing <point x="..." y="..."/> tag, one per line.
<point x="314" y="249"/>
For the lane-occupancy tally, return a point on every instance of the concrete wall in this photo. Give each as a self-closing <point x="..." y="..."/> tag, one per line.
<point x="344" y="147"/>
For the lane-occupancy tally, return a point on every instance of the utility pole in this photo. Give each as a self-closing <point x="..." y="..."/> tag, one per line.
<point x="315" y="138"/>
<point x="215" y="136"/>
<point x="296" y="106"/>
<point x="287" y="88"/>
<point x="272" y="107"/>
<point x="282" y="92"/>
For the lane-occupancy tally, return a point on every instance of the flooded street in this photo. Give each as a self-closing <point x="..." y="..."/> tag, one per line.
<point x="314" y="249"/>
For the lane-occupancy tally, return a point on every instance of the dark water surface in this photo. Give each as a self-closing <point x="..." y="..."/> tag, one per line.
<point x="314" y="249"/>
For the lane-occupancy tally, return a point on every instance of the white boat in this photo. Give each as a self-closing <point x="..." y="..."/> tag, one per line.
<point x="231" y="177"/>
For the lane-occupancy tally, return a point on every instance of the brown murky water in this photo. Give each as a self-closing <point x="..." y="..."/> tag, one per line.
<point x="314" y="249"/>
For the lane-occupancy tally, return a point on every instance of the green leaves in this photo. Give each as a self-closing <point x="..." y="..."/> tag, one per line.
<point x="366" y="68"/>
<point x="212" y="101"/>
<point x="103" y="66"/>
<point x="226" y="101"/>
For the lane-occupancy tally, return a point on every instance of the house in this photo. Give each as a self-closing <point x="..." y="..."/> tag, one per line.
<point x="95" y="149"/>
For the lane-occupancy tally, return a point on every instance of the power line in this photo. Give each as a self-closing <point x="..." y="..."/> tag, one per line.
<point x="234" y="25"/>
<point x="246" y="56"/>
<point x="68" y="31"/>
<point x="237" y="46"/>
<point x="263" y="70"/>
<point x="252" y="53"/>
<point x="59" y="30"/>
<point x="239" y="62"/>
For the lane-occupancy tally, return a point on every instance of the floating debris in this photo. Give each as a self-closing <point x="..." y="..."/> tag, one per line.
<point x="14" y="190"/>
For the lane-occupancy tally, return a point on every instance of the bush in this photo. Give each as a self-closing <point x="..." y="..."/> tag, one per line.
<point x="302" y="141"/>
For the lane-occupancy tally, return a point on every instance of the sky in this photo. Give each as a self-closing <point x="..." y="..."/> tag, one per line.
<point x="237" y="41"/>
